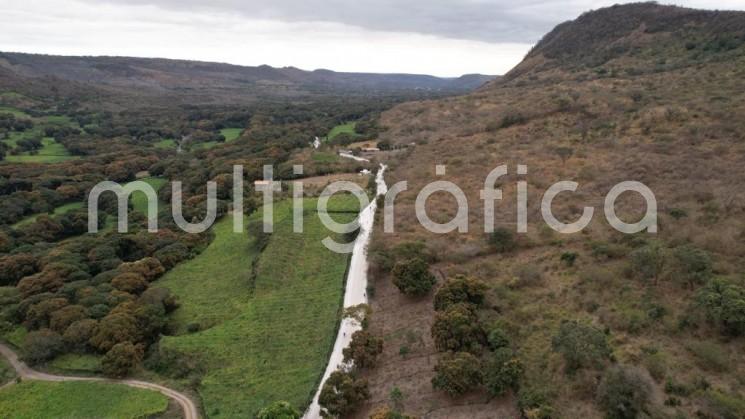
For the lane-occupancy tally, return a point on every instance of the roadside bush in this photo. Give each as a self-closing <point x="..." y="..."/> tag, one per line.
<point x="342" y="394"/>
<point x="460" y="289"/>
<point x="42" y="345"/>
<point x="121" y="359"/>
<point x="502" y="372"/>
<point x="116" y="327"/>
<point x="78" y="334"/>
<point x="174" y="364"/>
<point x="412" y="250"/>
<point x="457" y="373"/>
<point x="582" y="346"/>
<point x="624" y="392"/>
<point x="412" y="277"/>
<point x="502" y="240"/>
<point x="363" y="349"/>
<point x="279" y="410"/>
<point x="458" y="329"/>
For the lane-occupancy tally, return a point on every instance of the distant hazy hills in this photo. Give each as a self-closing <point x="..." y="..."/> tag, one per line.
<point x="181" y="77"/>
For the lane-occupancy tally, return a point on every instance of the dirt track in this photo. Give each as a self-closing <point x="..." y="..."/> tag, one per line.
<point x="26" y="373"/>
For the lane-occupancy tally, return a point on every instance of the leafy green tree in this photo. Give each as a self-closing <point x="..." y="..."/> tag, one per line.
<point x="624" y="393"/>
<point x="502" y="372"/>
<point x="78" y="334"/>
<point x="14" y="267"/>
<point x="363" y="349"/>
<point x="648" y="262"/>
<point x="502" y="240"/>
<point x="412" y="277"/>
<point x="458" y="329"/>
<point x="457" y="373"/>
<point x="116" y="327"/>
<point x="397" y="399"/>
<point x="460" y="289"/>
<point x="121" y="359"/>
<point x="61" y="319"/>
<point x="342" y="394"/>
<point x="582" y="346"/>
<point x="42" y="345"/>
<point x="724" y="303"/>
<point x="130" y="282"/>
<point x="693" y="266"/>
<point x="279" y="410"/>
<point x="498" y="338"/>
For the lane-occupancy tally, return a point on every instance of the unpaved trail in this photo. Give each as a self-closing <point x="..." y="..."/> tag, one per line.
<point x="355" y="292"/>
<point x="26" y="373"/>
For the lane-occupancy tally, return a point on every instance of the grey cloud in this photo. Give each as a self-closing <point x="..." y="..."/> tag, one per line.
<point x="483" y="20"/>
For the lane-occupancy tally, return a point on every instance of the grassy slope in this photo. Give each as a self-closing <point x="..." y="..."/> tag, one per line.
<point x="62" y="209"/>
<point x="79" y="400"/>
<point x="51" y="151"/>
<point x="231" y="134"/>
<point x="270" y="344"/>
<point x="72" y="362"/>
<point x="139" y="200"/>
<point x="347" y="128"/>
<point x="169" y="143"/>
<point x="17" y="113"/>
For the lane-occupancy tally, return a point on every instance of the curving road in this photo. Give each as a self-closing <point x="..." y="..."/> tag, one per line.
<point x="26" y="373"/>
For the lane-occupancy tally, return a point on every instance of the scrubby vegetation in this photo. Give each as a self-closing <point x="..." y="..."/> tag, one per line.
<point x="598" y="323"/>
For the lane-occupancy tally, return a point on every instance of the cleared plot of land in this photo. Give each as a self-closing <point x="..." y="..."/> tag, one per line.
<point x="346" y="128"/>
<point x="139" y="199"/>
<point x="62" y="209"/>
<point x="269" y="340"/>
<point x="204" y="146"/>
<point x="15" y="112"/>
<point x="168" y="144"/>
<point x="77" y="363"/>
<point x="51" y="151"/>
<point x="79" y="400"/>
<point x="324" y="157"/>
<point x="231" y="134"/>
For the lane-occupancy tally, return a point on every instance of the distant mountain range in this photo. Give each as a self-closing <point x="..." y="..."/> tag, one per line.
<point x="156" y="76"/>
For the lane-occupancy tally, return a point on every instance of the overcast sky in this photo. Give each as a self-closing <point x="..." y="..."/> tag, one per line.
<point x="440" y="37"/>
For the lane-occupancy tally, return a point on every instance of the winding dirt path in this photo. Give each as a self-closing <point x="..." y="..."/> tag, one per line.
<point x="26" y="373"/>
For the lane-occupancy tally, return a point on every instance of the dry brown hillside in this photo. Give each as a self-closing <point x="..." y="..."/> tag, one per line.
<point x="643" y="92"/>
